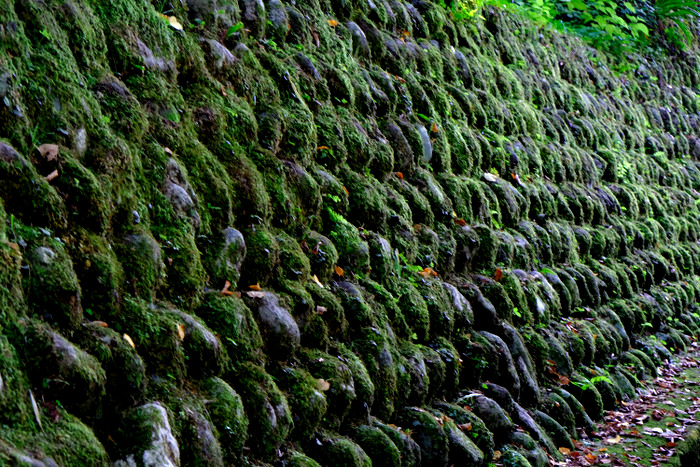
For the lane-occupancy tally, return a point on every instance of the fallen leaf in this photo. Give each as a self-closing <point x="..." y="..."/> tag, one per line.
<point x="172" y="21"/>
<point x="51" y="176"/>
<point x="465" y="427"/>
<point x="333" y="23"/>
<point x="496" y="455"/>
<point x="318" y="282"/>
<point x="321" y="309"/>
<point x="565" y="451"/>
<point x="225" y="290"/>
<point x="35" y="408"/>
<point x="181" y="331"/>
<point x="322" y="148"/>
<point x="323" y="385"/>
<point x="255" y="294"/>
<point x="434" y="127"/>
<point x="460" y="222"/>
<point x="399" y="175"/>
<point x="48" y="151"/>
<point x="405" y="33"/>
<point x="101" y="324"/>
<point x="616" y="440"/>
<point x="128" y="339"/>
<point x="255" y="286"/>
<point x="347" y="193"/>
<point x="339" y="271"/>
<point x="428" y="272"/>
<point x="489" y="177"/>
<point x="498" y="275"/>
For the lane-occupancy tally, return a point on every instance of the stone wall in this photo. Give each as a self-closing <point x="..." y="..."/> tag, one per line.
<point x="336" y="233"/>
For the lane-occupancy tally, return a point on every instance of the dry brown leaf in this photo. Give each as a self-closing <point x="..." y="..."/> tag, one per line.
<point x="460" y="222"/>
<point x="323" y="385"/>
<point x="181" y="331"/>
<point x="255" y="287"/>
<point x="51" y="176"/>
<point x="339" y="271"/>
<point x="616" y="440"/>
<point x="565" y="451"/>
<point x="101" y="324"/>
<point x="48" y="151"/>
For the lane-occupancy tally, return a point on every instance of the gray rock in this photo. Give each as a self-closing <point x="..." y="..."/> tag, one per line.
<point x="463" y="451"/>
<point x="523" y="418"/>
<point x="279" y="330"/>
<point x="278" y="21"/>
<point x="359" y="40"/>
<point x="464" y="315"/>
<point x="227" y="265"/>
<point x="181" y="195"/>
<point x="202" y="347"/>
<point x="203" y="447"/>
<point x="219" y="56"/>
<point x="9" y="155"/>
<point x="254" y="15"/>
<point x="493" y="416"/>
<point x="507" y="374"/>
<point x="161" y="448"/>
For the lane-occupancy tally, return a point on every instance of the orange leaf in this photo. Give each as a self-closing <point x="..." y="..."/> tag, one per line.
<point x="225" y="290"/>
<point x="181" y="331"/>
<point x="255" y="287"/>
<point x="427" y="272"/>
<point x="332" y="22"/>
<point x="405" y="33"/>
<point x="101" y="324"/>
<point x="339" y="271"/>
<point x="399" y="175"/>
<point x="434" y="127"/>
<point x="460" y="221"/>
<point x="347" y="193"/>
<point x="498" y="275"/>
<point x="322" y="148"/>
<point x="565" y="451"/>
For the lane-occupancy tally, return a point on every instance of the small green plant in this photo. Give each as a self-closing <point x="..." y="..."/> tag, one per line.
<point x="234" y="29"/>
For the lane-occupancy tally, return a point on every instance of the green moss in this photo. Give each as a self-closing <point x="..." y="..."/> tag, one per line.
<point x="52" y="290"/>
<point x="266" y="404"/>
<point x="262" y="255"/>
<point x="478" y="433"/>
<point x="307" y="400"/>
<point x="227" y="414"/>
<point x="378" y="446"/>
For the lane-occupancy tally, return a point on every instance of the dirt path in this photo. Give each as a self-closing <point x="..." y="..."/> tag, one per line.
<point x="645" y="431"/>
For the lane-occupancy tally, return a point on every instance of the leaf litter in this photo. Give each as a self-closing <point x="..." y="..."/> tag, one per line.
<point x="645" y="431"/>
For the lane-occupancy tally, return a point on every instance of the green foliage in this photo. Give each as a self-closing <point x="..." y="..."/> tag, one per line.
<point x="463" y="9"/>
<point x="677" y="12"/>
